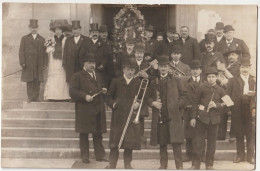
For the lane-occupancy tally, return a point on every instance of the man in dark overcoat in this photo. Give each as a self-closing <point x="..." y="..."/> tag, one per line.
<point x="72" y="47"/>
<point x="120" y="98"/>
<point x="241" y="90"/>
<point x="167" y="127"/>
<point x="89" y="108"/>
<point x="150" y="43"/>
<point x="33" y="59"/>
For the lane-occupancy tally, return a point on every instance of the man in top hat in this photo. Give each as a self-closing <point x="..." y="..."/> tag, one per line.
<point x="189" y="45"/>
<point x="167" y="96"/>
<point x="206" y="117"/>
<point x="72" y="48"/>
<point x="120" y="97"/>
<point x="175" y="63"/>
<point x="202" y="42"/>
<point x="242" y="90"/>
<point x="231" y="42"/>
<point x="192" y="85"/>
<point x="85" y="88"/>
<point x="211" y="58"/>
<point x="95" y="45"/>
<point x="33" y="60"/>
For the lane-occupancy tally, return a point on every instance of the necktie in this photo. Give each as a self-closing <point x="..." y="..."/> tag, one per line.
<point x="93" y="75"/>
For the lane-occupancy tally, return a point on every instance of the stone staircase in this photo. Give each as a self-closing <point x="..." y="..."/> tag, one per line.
<point x="46" y="130"/>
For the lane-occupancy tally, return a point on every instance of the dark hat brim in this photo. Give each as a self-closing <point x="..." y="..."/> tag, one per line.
<point x="196" y="66"/>
<point x="229" y="29"/>
<point x="207" y="73"/>
<point x="33" y="26"/>
<point x="76" y="27"/>
<point x="163" y="63"/>
<point x="232" y="51"/>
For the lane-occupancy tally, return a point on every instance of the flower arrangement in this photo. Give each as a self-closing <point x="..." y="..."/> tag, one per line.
<point x="50" y="45"/>
<point x="129" y="22"/>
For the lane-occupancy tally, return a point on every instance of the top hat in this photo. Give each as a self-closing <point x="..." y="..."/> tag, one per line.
<point x="195" y="64"/>
<point x="163" y="59"/>
<point x="209" y="38"/>
<point x="228" y="28"/>
<point x="33" y="23"/>
<point x="149" y="28"/>
<point x="211" y="70"/>
<point x="219" y="25"/>
<point x="130" y="62"/>
<point x="176" y="49"/>
<point x="93" y="27"/>
<point x="171" y="29"/>
<point x="232" y="49"/>
<point x="139" y="47"/>
<point x="245" y="62"/>
<point x="76" y="24"/>
<point x="103" y="28"/>
<point x="62" y="24"/>
<point x="89" y="57"/>
<point x="130" y="40"/>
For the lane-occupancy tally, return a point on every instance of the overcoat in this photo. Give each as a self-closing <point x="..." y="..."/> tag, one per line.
<point x="71" y="56"/>
<point x="176" y="100"/>
<point x="89" y="115"/>
<point x="211" y="59"/>
<point x="32" y="54"/>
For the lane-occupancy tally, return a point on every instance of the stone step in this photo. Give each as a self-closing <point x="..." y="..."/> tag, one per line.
<point x="75" y="153"/>
<point x="49" y="105"/>
<point x="33" y="142"/>
<point x="12" y="104"/>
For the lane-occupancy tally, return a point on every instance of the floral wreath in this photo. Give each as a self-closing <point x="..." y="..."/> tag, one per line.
<point x="129" y="22"/>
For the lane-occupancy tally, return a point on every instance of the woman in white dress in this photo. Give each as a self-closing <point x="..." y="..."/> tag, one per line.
<point x="56" y="88"/>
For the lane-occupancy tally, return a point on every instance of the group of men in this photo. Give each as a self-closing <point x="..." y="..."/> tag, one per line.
<point x="188" y="87"/>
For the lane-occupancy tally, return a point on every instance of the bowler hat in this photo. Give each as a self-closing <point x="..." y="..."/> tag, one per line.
<point x="33" y="23"/>
<point x="76" y="24"/>
<point x="195" y="64"/>
<point x="163" y="59"/>
<point x="139" y="47"/>
<point x="211" y="70"/>
<point x="232" y="49"/>
<point x="245" y="62"/>
<point x="62" y="24"/>
<point x="93" y="27"/>
<point x="219" y="25"/>
<point x="176" y="49"/>
<point x="149" y="28"/>
<point x="171" y="29"/>
<point x="228" y="28"/>
<point x="130" y="40"/>
<point x="209" y="38"/>
<point x="89" y="57"/>
<point x="159" y="34"/>
<point x="210" y="31"/>
<point x="103" y="28"/>
<point x="130" y="62"/>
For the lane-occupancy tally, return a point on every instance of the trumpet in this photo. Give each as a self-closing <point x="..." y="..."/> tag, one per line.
<point x="141" y="91"/>
<point x="175" y="71"/>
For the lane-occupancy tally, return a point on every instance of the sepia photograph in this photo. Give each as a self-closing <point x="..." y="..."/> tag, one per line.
<point x="129" y="86"/>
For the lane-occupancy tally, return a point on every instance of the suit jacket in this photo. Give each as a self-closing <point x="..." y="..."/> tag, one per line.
<point x="167" y="46"/>
<point x="234" y="69"/>
<point x="71" y="61"/>
<point x="32" y="54"/>
<point x="211" y="59"/>
<point x="190" y="50"/>
<point x="120" y="58"/>
<point x="238" y="44"/>
<point x="82" y="84"/>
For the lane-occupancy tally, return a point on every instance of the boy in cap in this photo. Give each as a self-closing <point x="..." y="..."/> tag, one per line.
<point x="87" y="89"/>
<point x="242" y="90"/>
<point x="167" y="96"/>
<point x="33" y="60"/>
<point x="206" y="117"/>
<point x="120" y="97"/>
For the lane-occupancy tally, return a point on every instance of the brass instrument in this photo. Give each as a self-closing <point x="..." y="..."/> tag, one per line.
<point x="142" y="89"/>
<point x="143" y="70"/>
<point x="176" y="72"/>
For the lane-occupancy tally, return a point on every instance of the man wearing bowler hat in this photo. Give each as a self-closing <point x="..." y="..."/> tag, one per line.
<point x="87" y="89"/>
<point x="242" y="90"/>
<point x="33" y="60"/>
<point x="95" y="45"/>
<point x="219" y="30"/>
<point x="231" y="41"/>
<point x="72" y="48"/>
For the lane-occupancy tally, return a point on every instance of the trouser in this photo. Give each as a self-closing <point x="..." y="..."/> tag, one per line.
<point x="176" y="152"/>
<point x="114" y="154"/>
<point x="211" y="137"/>
<point x="143" y="139"/>
<point x="222" y="130"/>
<point x="97" y="142"/>
<point x="190" y="148"/>
<point x="33" y="89"/>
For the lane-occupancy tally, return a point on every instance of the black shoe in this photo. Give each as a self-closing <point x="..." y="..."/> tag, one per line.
<point x="102" y="160"/>
<point x="209" y="168"/>
<point x="85" y="161"/>
<point x="203" y="159"/>
<point x="109" y="167"/>
<point x="194" y="168"/>
<point x="186" y="159"/>
<point x="162" y="168"/>
<point x="179" y="168"/>
<point x="238" y="160"/>
<point x="128" y="167"/>
<point x="29" y="100"/>
<point x="251" y="161"/>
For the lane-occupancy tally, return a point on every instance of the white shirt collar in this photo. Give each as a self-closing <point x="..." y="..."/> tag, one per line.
<point x="246" y="85"/>
<point x="194" y="78"/>
<point x="244" y="77"/>
<point x="163" y="76"/>
<point x="229" y="41"/>
<point x="170" y="40"/>
<point x="175" y="63"/>
<point x="77" y="38"/>
<point x="127" y="79"/>
<point x="139" y="62"/>
<point x="94" y="41"/>
<point x="34" y="36"/>
<point x="219" y="38"/>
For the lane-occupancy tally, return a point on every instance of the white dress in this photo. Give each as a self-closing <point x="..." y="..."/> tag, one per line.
<point x="56" y="87"/>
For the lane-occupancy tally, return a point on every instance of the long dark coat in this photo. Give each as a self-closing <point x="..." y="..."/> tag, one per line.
<point x="190" y="50"/>
<point x="82" y="84"/>
<point x="211" y="59"/>
<point x="120" y="59"/>
<point x="123" y="96"/>
<point x="167" y="46"/>
<point x="32" y="54"/>
<point x="176" y="100"/>
<point x="235" y="91"/>
<point x="71" y="56"/>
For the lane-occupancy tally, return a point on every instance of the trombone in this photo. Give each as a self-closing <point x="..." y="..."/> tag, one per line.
<point x="141" y="91"/>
